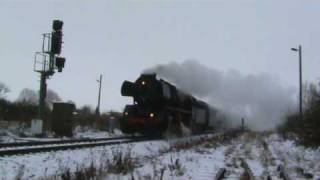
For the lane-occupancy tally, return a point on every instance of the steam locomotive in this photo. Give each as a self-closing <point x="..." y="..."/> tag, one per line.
<point x="159" y="106"/>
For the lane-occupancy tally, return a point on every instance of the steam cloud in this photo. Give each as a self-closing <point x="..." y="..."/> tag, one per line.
<point x="260" y="99"/>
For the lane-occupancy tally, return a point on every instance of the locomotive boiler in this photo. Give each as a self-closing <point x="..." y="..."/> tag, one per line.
<point x="159" y="106"/>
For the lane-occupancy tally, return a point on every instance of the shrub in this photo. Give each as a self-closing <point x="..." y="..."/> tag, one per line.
<point x="122" y="162"/>
<point x="308" y="129"/>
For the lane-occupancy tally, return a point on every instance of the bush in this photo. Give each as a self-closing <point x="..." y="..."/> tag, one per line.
<point x="17" y="111"/>
<point x="308" y="129"/>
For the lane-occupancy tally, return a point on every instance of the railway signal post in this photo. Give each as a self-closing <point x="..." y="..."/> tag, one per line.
<point x="45" y="63"/>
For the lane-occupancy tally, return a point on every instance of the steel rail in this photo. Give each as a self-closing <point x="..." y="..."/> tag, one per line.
<point x="221" y="174"/>
<point x="29" y="150"/>
<point x="247" y="171"/>
<point x="37" y="143"/>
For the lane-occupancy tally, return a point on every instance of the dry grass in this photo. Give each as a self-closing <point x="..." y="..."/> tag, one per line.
<point x="175" y="167"/>
<point x="20" y="173"/>
<point x="157" y="174"/>
<point x="122" y="162"/>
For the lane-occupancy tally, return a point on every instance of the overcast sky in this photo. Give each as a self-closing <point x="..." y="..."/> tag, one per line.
<point x="120" y="39"/>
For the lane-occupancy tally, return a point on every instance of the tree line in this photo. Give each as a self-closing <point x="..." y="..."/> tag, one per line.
<point x="306" y="130"/>
<point x="25" y="108"/>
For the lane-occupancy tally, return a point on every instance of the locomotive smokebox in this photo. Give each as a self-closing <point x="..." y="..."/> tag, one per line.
<point x="129" y="89"/>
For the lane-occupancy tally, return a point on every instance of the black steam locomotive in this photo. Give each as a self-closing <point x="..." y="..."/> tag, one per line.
<point x="159" y="106"/>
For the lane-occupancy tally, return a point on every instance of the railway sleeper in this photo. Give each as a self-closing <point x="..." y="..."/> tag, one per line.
<point x="283" y="173"/>
<point x="303" y="173"/>
<point x="247" y="171"/>
<point x="221" y="174"/>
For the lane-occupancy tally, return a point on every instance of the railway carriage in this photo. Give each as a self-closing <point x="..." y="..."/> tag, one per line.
<point x="159" y="106"/>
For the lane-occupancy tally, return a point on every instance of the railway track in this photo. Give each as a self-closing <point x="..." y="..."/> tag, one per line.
<point x="283" y="173"/>
<point x="248" y="175"/>
<point x="237" y="166"/>
<point x="37" y="143"/>
<point x="10" y="149"/>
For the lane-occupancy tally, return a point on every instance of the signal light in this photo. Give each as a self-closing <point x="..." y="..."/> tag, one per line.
<point x="56" y="37"/>
<point x="56" y="42"/>
<point x="57" y="25"/>
<point x="143" y="83"/>
<point x="60" y="63"/>
<point x="151" y="115"/>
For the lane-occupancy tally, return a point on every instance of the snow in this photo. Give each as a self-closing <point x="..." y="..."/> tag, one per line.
<point x="256" y="167"/>
<point x="295" y="157"/>
<point x="196" y="163"/>
<point x="51" y="163"/>
<point x="164" y="158"/>
<point x="11" y="132"/>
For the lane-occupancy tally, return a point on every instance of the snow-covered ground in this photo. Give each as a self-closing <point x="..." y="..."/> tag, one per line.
<point x="199" y="157"/>
<point x="86" y="132"/>
<point x="298" y="160"/>
<point x="11" y="132"/>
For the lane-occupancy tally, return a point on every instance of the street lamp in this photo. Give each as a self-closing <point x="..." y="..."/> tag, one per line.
<point x="300" y="79"/>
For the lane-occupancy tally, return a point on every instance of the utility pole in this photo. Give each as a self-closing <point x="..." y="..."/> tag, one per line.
<point x="51" y="48"/>
<point x="242" y="124"/>
<point x="99" y="95"/>
<point x="300" y="80"/>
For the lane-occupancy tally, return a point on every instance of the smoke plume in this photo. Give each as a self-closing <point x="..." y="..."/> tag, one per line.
<point x="260" y="99"/>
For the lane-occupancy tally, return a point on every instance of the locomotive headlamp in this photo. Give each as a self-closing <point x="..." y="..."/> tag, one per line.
<point x="151" y="115"/>
<point x="143" y="83"/>
<point x="126" y="113"/>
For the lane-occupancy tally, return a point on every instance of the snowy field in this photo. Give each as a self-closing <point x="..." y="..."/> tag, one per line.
<point x="199" y="157"/>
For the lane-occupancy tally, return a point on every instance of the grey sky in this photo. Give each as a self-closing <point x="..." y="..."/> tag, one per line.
<point x="121" y="39"/>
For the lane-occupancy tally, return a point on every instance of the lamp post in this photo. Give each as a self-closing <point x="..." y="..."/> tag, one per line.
<point x="300" y="79"/>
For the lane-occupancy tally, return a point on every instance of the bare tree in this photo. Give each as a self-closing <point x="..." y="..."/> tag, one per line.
<point x="32" y="97"/>
<point x="3" y="90"/>
<point x="52" y="97"/>
<point x="310" y="96"/>
<point x="28" y="96"/>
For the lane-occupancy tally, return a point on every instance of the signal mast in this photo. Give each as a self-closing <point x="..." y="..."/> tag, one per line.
<point x="49" y="60"/>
